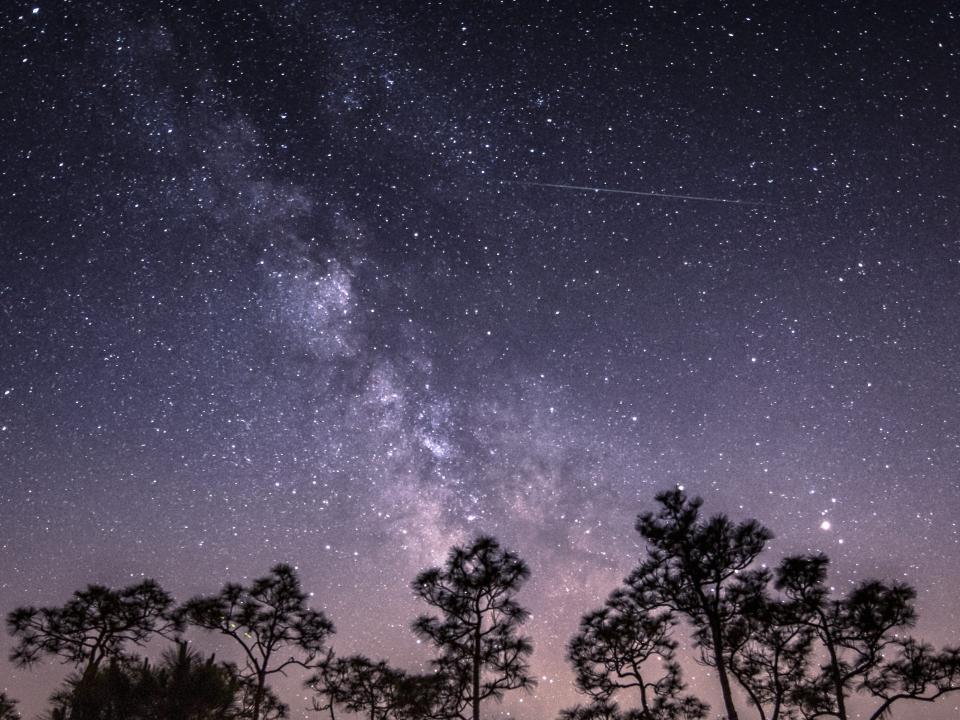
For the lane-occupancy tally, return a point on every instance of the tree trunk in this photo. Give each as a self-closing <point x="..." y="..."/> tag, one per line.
<point x="837" y="681"/>
<point x="258" y="695"/>
<point x="476" y="673"/>
<point x="717" y="635"/>
<point x="80" y="702"/>
<point x="643" y="699"/>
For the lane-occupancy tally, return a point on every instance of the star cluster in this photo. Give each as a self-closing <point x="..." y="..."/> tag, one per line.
<point x="273" y="289"/>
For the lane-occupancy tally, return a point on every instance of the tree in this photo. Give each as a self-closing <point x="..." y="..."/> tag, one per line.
<point x="596" y="710"/>
<point x="259" y="702"/>
<point x="112" y="691"/>
<point x="330" y="684"/>
<point x="96" y="624"/>
<point x="918" y="673"/>
<point x="357" y="684"/>
<point x="769" y="648"/>
<point x="182" y="686"/>
<point x="626" y="646"/>
<point x="425" y="697"/>
<point x="270" y="621"/>
<point x="482" y="654"/>
<point x="187" y="686"/>
<point x="8" y="708"/>
<point x="690" y="567"/>
<point x="862" y="635"/>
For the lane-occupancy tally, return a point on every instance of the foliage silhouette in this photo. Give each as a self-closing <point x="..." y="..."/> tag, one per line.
<point x="329" y="684"/>
<point x="626" y="646"/>
<point x="357" y="684"/>
<point x="690" y="568"/>
<point x="862" y="635"/>
<point x="426" y="697"/>
<point x="796" y="650"/>
<point x="96" y="624"/>
<point x="481" y="651"/>
<point x="918" y="673"/>
<point x="270" y="621"/>
<point x="769" y="632"/>
<point x="186" y="685"/>
<point x="8" y="708"/>
<point x="768" y="647"/>
<point x="183" y="686"/>
<point x="108" y="692"/>
<point x="596" y="710"/>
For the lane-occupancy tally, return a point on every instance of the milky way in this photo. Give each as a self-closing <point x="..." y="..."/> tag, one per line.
<point x="277" y="285"/>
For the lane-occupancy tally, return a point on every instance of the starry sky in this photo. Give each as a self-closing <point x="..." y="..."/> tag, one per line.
<point x="275" y="286"/>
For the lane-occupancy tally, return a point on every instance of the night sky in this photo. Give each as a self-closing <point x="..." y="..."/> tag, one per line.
<point x="275" y="286"/>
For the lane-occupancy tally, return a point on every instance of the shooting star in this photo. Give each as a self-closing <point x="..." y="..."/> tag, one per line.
<point x="671" y="196"/>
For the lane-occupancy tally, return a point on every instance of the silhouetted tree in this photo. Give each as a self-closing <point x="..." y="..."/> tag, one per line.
<point x="111" y="691"/>
<point x="426" y="697"/>
<point x="482" y="654"/>
<point x="918" y="673"/>
<point x="596" y="710"/>
<point x="95" y="625"/>
<point x="768" y="646"/>
<point x="182" y="686"/>
<point x="187" y="686"/>
<point x="360" y="685"/>
<point x="260" y="702"/>
<point x="690" y="566"/>
<point x="626" y="646"/>
<point x="8" y="708"/>
<point x="329" y="684"/>
<point x="798" y="652"/>
<point x="357" y="684"/>
<point x="270" y="621"/>
<point x="862" y="635"/>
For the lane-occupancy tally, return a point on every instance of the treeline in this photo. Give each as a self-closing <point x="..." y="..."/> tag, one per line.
<point x="783" y="646"/>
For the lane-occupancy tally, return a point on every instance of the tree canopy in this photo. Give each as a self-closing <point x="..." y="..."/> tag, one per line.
<point x="690" y="566"/>
<point x="795" y="647"/>
<point x="96" y="624"/>
<point x="482" y="654"/>
<point x="269" y="620"/>
<point x="626" y="648"/>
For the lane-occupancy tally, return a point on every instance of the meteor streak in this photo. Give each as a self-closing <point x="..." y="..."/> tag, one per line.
<point x="637" y="192"/>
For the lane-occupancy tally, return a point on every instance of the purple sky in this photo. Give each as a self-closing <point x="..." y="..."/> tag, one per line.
<point x="266" y="295"/>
